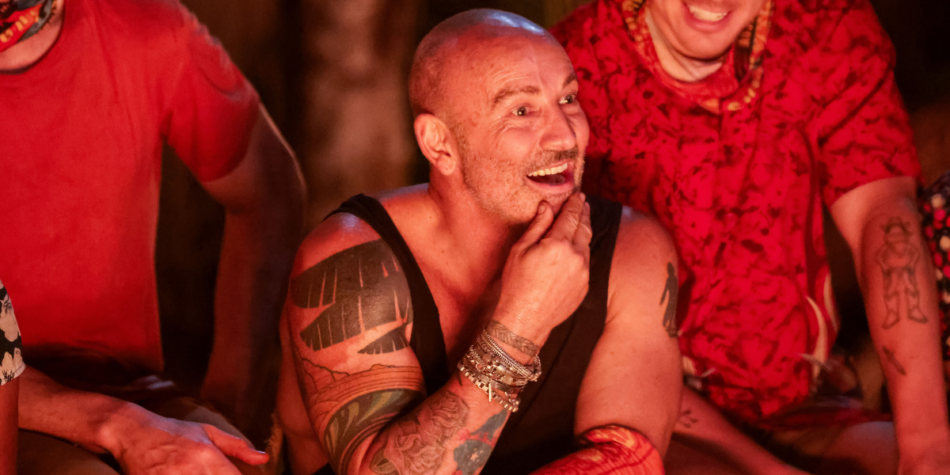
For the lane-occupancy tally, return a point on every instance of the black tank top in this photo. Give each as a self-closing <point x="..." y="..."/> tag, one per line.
<point x="543" y="428"/>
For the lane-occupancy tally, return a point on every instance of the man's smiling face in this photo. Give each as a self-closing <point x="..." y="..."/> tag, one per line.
<point x="520" y="130"/>
<point x="702" y="29"/>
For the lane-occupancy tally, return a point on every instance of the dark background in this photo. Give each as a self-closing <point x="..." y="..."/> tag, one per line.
<point x="333" y="73"/>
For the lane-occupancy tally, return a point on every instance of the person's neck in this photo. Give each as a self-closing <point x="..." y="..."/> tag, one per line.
<point x="678" y="66"/>
<point x="480" y="241"/>
<point x="25" y="54"/>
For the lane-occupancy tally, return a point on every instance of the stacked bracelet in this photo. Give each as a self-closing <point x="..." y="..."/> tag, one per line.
<point x="492" y="370"/>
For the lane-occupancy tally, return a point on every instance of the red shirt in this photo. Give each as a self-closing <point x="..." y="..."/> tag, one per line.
<point x="80" y="164"/>
<point x="738" y="167"/>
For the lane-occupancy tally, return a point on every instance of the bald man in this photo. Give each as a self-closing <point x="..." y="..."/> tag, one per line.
<point x="491" y="316"/>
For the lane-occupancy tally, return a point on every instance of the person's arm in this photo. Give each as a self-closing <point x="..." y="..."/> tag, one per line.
<point x="610" y="450"/>
<point x="634" y="379"/>
<point x="880" y="222"/>
<point x="263" y="200"/>
<point x="142" y="442"/>
<point x="349" y="318"/>
<point x="9" y="393"/>
<point x="700" y="424"/>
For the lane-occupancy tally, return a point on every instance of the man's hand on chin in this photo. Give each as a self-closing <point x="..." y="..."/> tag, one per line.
<point x="546" y="275"/>
<point x="145" y="443"/>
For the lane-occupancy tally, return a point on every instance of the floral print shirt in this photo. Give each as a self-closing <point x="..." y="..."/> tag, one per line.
<point x="738" y="168"/>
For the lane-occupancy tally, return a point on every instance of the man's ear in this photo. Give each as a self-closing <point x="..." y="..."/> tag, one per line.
<point x="437" y="143"/>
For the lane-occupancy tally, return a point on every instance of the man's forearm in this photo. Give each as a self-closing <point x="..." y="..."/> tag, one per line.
<point x="264" y="204"/>
<point x="81" y="417"/>
<point x="451" y="431"/>
<point x="609" y="450"/>
<point x="900" y="296"/>
<point x="255" y="260"/>
<point x="700" y="423"/>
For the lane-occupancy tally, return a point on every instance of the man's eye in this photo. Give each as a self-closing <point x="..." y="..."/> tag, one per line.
<point x="569" y="99"/>
<point x="521" y="111"/>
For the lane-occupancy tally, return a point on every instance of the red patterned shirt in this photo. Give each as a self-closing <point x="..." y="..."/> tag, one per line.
<point x="738" y="167"/>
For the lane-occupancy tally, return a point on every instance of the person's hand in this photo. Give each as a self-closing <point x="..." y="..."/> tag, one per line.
<point x="545" y="276"/>
<point x="149" y="444"/>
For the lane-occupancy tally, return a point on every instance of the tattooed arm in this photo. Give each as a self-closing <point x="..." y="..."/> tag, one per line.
<point x="879" y="220"/>
<point x="611" y="450"/>
<point x="349" y="319"/>
<point x="634" y="379"/>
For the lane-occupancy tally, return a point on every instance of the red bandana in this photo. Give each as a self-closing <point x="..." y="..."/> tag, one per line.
<point x="22" y="19"/>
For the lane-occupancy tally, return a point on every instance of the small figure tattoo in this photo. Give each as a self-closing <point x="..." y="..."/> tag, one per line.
<point x="898" y="259"/>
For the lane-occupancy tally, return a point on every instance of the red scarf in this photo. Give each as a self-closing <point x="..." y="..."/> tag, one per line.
<point x="21" y="19"/>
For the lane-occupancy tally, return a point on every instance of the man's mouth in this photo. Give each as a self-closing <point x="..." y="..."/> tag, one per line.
<point x="550" y="176"/>
<point x="702" y="14"/>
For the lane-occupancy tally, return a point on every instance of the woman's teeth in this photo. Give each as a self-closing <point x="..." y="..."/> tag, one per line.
<point x="549" y="171"/>
<point x="706" y="15"/>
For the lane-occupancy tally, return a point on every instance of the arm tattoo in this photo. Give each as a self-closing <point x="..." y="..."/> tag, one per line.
<point x="505" y="335"/>
<point x="346" y="409"/>
<point x="686" y="419"/>
<point x="473" y="454"/>
<point x="892" y="360"/>
<point x="898" y="259"/>
<point x="355" y="290"/>
<point x="672" y="291"/>
<point x="416" y="445"/>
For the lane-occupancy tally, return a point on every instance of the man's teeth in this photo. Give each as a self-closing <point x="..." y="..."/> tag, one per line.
<point x="549" y="171"/>
<point x="706" y="15"/>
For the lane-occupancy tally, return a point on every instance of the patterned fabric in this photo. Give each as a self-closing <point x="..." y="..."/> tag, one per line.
<point x="11" y="364"/>
<point x="935" y="208"/>
<point x="741" y="189"/>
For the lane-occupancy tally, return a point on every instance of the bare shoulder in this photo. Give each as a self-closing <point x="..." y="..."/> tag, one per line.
<point x="642" y="240"/>
<point x="336" y="234"/>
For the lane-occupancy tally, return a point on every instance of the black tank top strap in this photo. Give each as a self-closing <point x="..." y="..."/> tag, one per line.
<point x="543" y="428"/>
<point x="427" y="340"/>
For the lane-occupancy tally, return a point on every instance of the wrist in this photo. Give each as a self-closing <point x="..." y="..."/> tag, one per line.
<point x="521" y="341"/>
<point x="117" y="424"/>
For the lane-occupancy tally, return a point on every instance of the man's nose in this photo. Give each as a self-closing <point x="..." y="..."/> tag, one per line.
<point x="559" y="132"/>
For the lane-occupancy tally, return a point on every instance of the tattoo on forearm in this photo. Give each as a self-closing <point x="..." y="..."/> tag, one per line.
<point x="670" y="294"/>
<point x="355" y="290"/>
<point x="473" y="454"/>
<point x="686" y="419"/>
<point x="898" y="258"/>
<point x="346" y="409"/>
<point x="892" y="360"/>
<point x="416" y="445"/>
<point x="504" y="335"/>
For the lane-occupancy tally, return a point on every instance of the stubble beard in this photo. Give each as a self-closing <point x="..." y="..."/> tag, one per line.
<point x="477" y="181"/>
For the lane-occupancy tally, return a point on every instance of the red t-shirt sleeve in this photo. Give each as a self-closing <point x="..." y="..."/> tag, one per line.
<point x="212" y="108"/>
<point x="863" y="131"/>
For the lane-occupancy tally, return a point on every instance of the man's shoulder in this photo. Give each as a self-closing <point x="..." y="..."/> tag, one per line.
<point x="343" y="230"/>
<point x="642" y="243"/>
<point x="144" y="23"/>
<point x="638" y="228"/>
